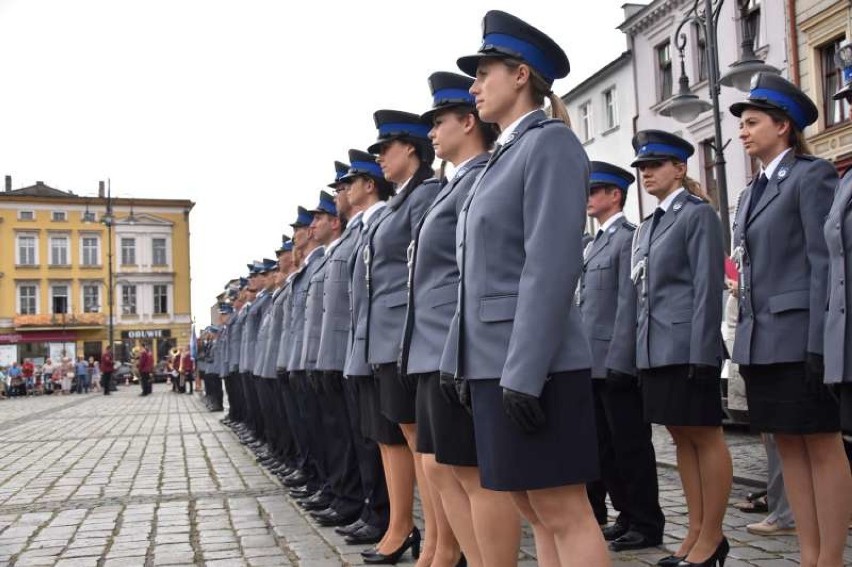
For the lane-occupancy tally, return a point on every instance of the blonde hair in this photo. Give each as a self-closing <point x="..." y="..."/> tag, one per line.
<point x="541" y="90"/>
<point x="695" y="188"/>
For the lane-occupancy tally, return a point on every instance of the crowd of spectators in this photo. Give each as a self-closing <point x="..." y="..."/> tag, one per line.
<point x="60" y="377"/>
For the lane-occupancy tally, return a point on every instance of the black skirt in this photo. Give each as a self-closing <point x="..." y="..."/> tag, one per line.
<point x="846" y="408"/>
<point x="564" y="452"/>
<point x="374" y="425"/>
<point x="444" y="428"/>
<point x="671" y="398"/>
<point x="780" y="401"/>
<point x="398" y="394"/>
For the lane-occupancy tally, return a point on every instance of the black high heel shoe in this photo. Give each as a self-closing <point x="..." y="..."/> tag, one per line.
<point x="412" y="541"/>
<point x="718" y="557"/>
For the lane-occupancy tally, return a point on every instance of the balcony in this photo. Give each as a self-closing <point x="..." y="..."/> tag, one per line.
<point x="64" y="321"/>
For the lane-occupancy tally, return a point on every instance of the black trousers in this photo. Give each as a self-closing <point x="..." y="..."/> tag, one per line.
<point x="309" y="413"/>
<point x="344" y="475"/>
<point x="252" y="415"/>
<point x="106" y="382"/>
<point x="233" y="387"/>
<point x="265" y="391"/>
<point x="145" y="380"/>
<point x="376" y="506"/>
<point x="286" y="443"/>
<point x="628" y="461"/>
<point x="297" y="427"/>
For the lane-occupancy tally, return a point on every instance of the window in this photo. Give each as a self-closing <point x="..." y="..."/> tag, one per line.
<point x="27" y="250"/>
<point x="128" y="299"/>
<point x="59" y="298"/>
<point x="752" y="23"/>
<point x="91" y="298"/>
<point x="88" y="216"/>
<point x="586" y="121"/>
<point x="158" y="251"/>
<point x="58" y="216"/>
<point x="701" y="52"/>
<point x="161" y="299"/>
<point x="128" y="251"/>
<point x="708" y="166"/>
<point x="664" y="70"/>
<point x="26" y="215"/>
<point x="834" y="111"/>
<point x="59" y="251"/>
<point x="90" y="251"/>
<point x="611" y="108"/>
<point x="28" y="299"/>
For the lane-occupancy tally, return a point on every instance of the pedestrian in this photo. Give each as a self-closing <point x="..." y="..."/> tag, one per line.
<point x="146" y="366"/>
<point x="485" y="523"/>
<point x="404" y="153"/>
<point x="107" y="366"/>
<point x="15" y="379"/>
<point x="28" y="371"/>
<point x="81" y="371"/>
<point x="94" y="374"/>
<point x="46" y="372"/>
<point x="186" y="370"/>
<point x="66" y="375"/>
<point x="678" y="272"/>
<point x="522" y="359"/>
<point x="606" y="298"/>
<point x="779" y="341"/>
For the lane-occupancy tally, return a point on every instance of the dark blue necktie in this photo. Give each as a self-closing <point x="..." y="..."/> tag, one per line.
<point x="599" y="234"/>
<point x="658" y="214"/>
<point x="757" y="192"/>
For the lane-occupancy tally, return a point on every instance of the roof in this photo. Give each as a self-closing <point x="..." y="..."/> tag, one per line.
<point x="39" y="190"/>
<point x="613" y="65"/>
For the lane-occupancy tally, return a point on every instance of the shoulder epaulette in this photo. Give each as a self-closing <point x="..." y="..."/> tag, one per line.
<point x="431" y="180"/>
<point x="546" y="121"/>
<point x="807" y="157"/>
<point x="628" y="225"/>
<point x="695" y="199"/>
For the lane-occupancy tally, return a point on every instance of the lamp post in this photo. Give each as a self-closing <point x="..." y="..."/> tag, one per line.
<point x="686" y="106"/>
<point x="109" y="220"/>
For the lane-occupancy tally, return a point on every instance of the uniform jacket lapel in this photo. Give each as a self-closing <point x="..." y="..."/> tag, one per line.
<point x="669" y="218"/>
<point x="601" y="243"/>
<point x="773" y="188"/>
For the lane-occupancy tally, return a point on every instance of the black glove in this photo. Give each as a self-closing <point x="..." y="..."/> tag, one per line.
<point x="703" y="373"/>
<point x="447" y="385"/>
<point x="463" y="393"/>
<point x="616" y="378"/>
<point x="815" y="372"/>
<point x="525" y="410"/>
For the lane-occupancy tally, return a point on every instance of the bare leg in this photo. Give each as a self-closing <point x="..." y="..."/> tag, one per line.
<point x="452" y="502"/>
<point x="496" y="521"/>
<point x="545" y="543"/>
<point x="799" y="484"/>
<point x="716" y="473"/>
<point x="832" y="487"/>
<point x="400" y="479"/>
<point x="690" y="478"/>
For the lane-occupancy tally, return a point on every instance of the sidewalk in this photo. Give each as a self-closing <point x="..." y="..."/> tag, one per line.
<point x="129" y="481"/>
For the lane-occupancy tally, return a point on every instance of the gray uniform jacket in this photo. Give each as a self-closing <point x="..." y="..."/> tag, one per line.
<point x="387" y="268"/>
<point x="221" y="360"/>
<point x="264" y="336"/>
<point x="285" y="304"/>
<point x="313" y="315"/>
<point x="519" y="250"/>
<point x="784" y="263"/>
<point x="268" y="336"/>
<point x="250" y="330"/>
<point x="434" y="275"/>
<point x="838" y="322"/>
<point x="296" y="333"/>
<point x="607" y="300"/>
<point x="336" y="315"/>
<point x="356" y="356"/>
<point x="679" y="284"/>
<point x="235" y="338"/>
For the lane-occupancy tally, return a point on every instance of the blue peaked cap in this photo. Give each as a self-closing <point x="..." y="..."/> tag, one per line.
<point x="326" y="205"/>
<point x="303" y="218"/>
<point x="659" y="145"/>
<point x="603" y="173"/>
<point x="773" y="92"/>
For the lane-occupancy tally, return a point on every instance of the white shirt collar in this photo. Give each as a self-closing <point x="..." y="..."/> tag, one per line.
<point x="354" y="219"/>
<point x="667" y="202"/>
<point x="769" y="170"/>
<point x="314" y="254"/>
<point x="404" y="185"/>
<point x="510" y="129"/>
<point x="611" y="220"/>
<point x="459" y="167"/>
<point x="333" y="245"/>
<point x="372" y="210"/>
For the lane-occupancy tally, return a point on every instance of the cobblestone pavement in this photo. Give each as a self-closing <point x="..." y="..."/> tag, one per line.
<point x="129" y="481"/>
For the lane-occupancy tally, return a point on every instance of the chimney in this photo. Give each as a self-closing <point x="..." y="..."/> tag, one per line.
<point x="631" y="9"/>
<point x="39" y="183"/>
<point x="101" y="193"/>
<point x="8" y="184"/>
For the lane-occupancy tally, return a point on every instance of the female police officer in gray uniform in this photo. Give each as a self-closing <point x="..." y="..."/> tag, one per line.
<point x="522" y="351"/>
<point x="783" y="261"/>
<point x="678" y="272"/>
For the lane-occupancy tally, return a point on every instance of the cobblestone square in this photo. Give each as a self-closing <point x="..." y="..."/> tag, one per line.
<point x="129" y="481"/>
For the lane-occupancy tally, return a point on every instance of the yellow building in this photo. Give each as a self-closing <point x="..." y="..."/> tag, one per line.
<point x="54" y="277"/>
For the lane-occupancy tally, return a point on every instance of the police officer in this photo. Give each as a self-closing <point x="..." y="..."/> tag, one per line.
<point x="367" y="193"/>
<point x="678" y="272"/>
<point x="257" y="284"/>
<point x="237" y="410"/>
<point x="838" y="235"/>
<point x="606" y="299"/>
<point x="784" y="263"/>
<point x="405" y="154"/>
<point x="267" y="455"/>
<point x="522" y="351"/>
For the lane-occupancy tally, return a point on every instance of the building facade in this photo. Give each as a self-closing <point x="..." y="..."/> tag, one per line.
<point x="54" y="275"/>
<point x="816" y="28"/>
<point x="650" y="31"/>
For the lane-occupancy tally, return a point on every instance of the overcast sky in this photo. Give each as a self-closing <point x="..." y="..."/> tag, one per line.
<point x="240" y="105"/>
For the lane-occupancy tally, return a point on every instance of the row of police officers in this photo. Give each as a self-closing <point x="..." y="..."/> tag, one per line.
<point x="462" y="334"/>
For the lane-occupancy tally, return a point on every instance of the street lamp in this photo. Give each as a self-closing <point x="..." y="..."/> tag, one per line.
<point x="685" y="106"/>
<point x="108" y="219"/>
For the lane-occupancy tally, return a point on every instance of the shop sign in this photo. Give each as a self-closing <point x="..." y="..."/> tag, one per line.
<point x="143" y="334"/>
